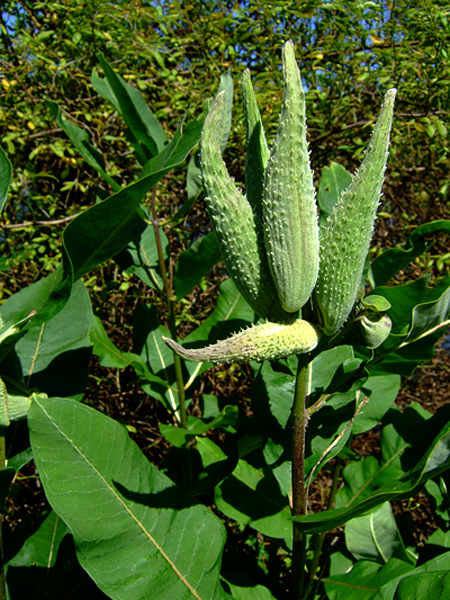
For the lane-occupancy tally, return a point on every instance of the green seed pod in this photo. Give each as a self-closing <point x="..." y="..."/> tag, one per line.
<point x="236" y="224"/>
<point x="289" y="207"/>
<point x="346" y="235"/>
<point x="257" y="150"/>
<point x="374" y="330"/>
<point x="267" y="341"/>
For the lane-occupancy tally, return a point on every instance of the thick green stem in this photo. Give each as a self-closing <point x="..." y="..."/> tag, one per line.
<point x="319" y="539"/>
<point x="2" y="568"/>
<point x="299" y="500"/>
<point x="173" y="330"/>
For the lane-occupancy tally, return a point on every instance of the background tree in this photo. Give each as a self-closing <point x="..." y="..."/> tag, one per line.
<point x="349" y="53"/>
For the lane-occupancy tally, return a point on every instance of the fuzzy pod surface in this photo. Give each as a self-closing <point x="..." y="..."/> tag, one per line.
<point x="236" y="225"/>
<point x="267" y="341"/>
<point x="346" y="234"/>
<point x="289" y="208"/>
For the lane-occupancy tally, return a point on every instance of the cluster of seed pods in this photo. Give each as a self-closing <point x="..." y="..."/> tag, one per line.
<point x="270" y="239"/>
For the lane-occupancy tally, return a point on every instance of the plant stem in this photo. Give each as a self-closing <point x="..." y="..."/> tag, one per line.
<point x="2" y="568"/>
<point x="173" y="330"/>
<point x="320" y="538"/>
<point x="299" y="500"/>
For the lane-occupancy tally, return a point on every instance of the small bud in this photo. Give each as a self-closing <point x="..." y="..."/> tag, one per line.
<point x="374" y="330"/>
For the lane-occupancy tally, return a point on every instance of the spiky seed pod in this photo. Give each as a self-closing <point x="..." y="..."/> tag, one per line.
<point x="346" y="235"/>
<point x="267" y="341"/>
<point x="257" y="155"/>
<point x="236" y="225"/>
<point x="289" y="207"/>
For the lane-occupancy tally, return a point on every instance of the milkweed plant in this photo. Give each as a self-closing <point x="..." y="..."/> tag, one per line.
<point x="327" y="332"/>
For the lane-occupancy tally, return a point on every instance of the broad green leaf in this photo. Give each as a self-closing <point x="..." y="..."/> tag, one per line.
<point x="405" y="360"/>
<point x="47" y="297"/>
<point x="80" y="139"/>
<point x="335" y="370"/>
<point x="435" y="460"/>
<point x="403" y="299"/>
<point x="272" y="396"/>
<point x="375" y="536"/>
<point x="382" y="392"/>
<point x="364" y="580"/>
<point x="424" y="586"/>
<point x="185" y="138"/>
<point x="194" y="263"/>
<point x="11" y="373"/>
<point x="417" y="312"/>
<point x="416" y="427"/>
<point x="333" y="181"/>
<point x="364" y="476"/>
<point x="330" y="371"/>
<point x="102" y="87"/>
<point x="20" y="460"/>
<point x="324" y="428"/>
<point x="148" y="344"/>
<point x="216" y="466"/>
<point x="179" y="437"/>
<point x="252" y="497"/>
<point x="438" y="538"/>
<point x="140" y="257"/>
<point x="259" y="592"/>
<point x="10" y="366"/>
<point x="137" y="534"/>
<point x="108" y="353"/>
<point x="105" y="229"/>
<point x="431" y="314"/>
<point x="438" y="564"/>
<point x="392" y="261"/>
<point x="64" y="579"/>
<point x="5" y="177"/>
<point x="111" y="356"/>
<point x="135" y="111"/>
<point x="41" y="547"/>
<point x="55" y="357"/>
<point x="375" y="303"/>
